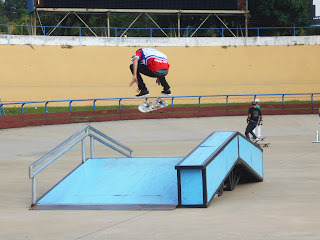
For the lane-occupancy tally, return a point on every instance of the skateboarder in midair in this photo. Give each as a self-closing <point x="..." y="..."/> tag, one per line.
<point x="152" y="63"/>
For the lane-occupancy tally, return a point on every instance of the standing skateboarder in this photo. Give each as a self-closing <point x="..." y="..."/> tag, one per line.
<point x="254" y="118"/>
<point x="257" y="129"/>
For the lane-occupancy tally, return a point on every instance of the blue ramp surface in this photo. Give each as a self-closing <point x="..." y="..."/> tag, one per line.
<point x="116" y="183"/>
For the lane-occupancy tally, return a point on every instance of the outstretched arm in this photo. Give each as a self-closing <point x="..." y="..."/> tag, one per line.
<point x="135" y="69"/>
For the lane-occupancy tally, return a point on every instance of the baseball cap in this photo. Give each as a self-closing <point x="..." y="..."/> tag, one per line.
<point x="257" y="100"/>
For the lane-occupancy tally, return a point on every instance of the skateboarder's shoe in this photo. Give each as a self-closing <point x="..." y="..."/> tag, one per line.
<point x="166" y="92"/>
<point x="256" y="140"/>
<point x="143" y="93"/>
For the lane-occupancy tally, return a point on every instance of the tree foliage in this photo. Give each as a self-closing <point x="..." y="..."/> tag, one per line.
<point x="10" y="8"/>
<point x="279" y="13"/>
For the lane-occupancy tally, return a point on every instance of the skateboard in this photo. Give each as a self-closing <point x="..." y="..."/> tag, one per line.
<point x="152" y="106"/>
<point x="260" y="138"/>
<point x="261" y="143"/>
<point x="264" y="144"/>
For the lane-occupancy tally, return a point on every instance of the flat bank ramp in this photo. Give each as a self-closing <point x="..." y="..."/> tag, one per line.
<point x="116" y="183"/>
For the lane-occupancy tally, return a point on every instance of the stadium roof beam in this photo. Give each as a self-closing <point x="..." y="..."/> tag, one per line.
<point x="89" y="10"/>
<point x="146" y="11"/>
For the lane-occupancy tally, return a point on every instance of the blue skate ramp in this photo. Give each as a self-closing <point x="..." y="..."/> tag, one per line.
<point x="218" y="163"/>
<point x="116" y="183"/>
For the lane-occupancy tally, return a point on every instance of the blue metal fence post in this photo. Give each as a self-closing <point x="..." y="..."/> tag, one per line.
<point x="172" y="101"/>
<point x="294" y="31"/>
<point x="79" y="31"/>
<point x="8" y="32"/>
<point x="115" y="32"/>
<point x="199" y="101"/>
<point x="0" y="109"/>
<point x="94" y="105"/>
<point x="227" y="102"/>
<point x="187" y="32"/>
<point x="151" y="32"/>
<point x="222" y="32"/>
<point x="70" y="106"/>
<point x="22" y="107"/>
<point x="46" y="107"/>
<point x="258" y="32"/>
<point x="120" y="103"/>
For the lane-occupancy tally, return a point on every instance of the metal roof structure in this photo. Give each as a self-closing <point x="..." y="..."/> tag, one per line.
<point x="39" y="6"/>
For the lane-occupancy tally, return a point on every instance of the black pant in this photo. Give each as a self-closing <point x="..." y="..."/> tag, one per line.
<point x="249" y="129"/>
<point x="146" y="71"/>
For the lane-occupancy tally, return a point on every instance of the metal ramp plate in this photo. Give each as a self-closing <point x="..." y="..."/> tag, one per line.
<point x="116" y="183"/>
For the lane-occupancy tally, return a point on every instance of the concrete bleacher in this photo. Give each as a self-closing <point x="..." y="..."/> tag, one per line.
<point x="218" y="163"/>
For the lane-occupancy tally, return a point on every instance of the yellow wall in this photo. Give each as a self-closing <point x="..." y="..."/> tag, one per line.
<point x="54" y="73"/>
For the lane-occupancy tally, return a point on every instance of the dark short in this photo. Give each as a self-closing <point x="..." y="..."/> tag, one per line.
<point x="161" y="73"/>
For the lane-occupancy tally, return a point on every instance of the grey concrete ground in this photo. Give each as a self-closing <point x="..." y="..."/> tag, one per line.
<point x="284" y="206"/>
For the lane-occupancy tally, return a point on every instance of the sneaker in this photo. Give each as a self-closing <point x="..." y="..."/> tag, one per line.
<point x="166" y="92"/>
<point x="256" y="140"/>
<point x="143" y="94"/>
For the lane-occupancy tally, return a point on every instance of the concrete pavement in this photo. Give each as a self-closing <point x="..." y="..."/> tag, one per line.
<point x="284" y="206"/>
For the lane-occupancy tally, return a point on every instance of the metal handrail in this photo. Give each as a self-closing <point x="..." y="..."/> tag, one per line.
<point x="199" y="97"/>
<point x="150" y="30"/>
<point x="67" y="145"/>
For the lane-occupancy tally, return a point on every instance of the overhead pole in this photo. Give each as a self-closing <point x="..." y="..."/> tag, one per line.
<point x="200" y="25"/>
<point x="34" y="23"/>
<point x="85" y="24"/>
<point x="157" y="25"/>
<point x="179" y="17"/>
<point x="225" y="25"/>
<point x="131" y="24"/>
<point x="52" y="30"/>
<point x="108" y="23"/>
<point x="247" y="16"/>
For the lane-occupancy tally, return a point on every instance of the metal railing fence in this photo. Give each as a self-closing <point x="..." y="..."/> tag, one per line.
<point x="198" y="98"/>
<point x="156" y="32"/>
<point x="42" y="163"/>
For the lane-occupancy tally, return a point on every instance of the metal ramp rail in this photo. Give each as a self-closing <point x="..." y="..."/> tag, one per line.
<point x="80" y="136"/>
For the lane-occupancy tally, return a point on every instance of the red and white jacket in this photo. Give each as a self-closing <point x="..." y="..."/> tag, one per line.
<point x="152" y="58"/>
